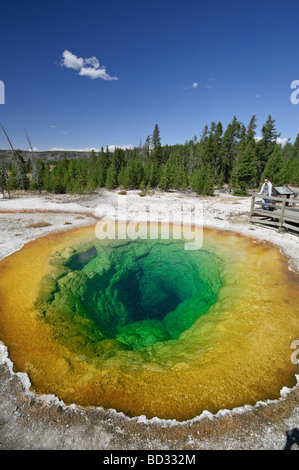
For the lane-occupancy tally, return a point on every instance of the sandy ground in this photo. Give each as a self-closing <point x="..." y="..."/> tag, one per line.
<point x="31" y="422"/>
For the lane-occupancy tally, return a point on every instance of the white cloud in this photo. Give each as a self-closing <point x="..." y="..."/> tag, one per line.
<point x="111" y="148"/>
<point x="93" y="61"/>
<point x="53" y="126"/>
<point x="89" y="67"/>
<point x="194" y="86"/>
<point x="282" y="141"/>
<point x="93" y="73"/>
<point x="59" y="149"/>
<point x="71" y="61"/>
<point x="279" y="140"/>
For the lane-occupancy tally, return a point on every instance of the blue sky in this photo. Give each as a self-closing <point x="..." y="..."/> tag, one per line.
<point x="86" y="74"/>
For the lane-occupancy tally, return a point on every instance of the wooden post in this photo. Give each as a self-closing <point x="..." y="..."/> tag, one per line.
<point x="252" y="204"/>
<point x="281" y="219"/>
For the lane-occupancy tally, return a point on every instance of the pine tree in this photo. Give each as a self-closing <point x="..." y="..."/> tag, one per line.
<point x="209" y="181"/>
<point x="91" y="176"/>
<point x="191" y="163"/>
<point x="146" y="149"/>
<point x="274" y="167"/>
<point x="229" y="148"/>
<point x="216" y="160"/>
<point x="59" y="178"/>
<point x="250" y="132"/>
<point x="112" y="177"/>
<point x="180" y="179"/>
<point x="221" y="180"/>
<point x="246" y="171"/>
<point x="81" y="179"/>
<point x="47" y="178"/>
<point x="164" y="182"/>
<point x="167" y="175"/>
<point x="101" y="166"/>
<point x="157" y="152"/>
<point x="202" y="181"/>
<point x="118" y="159"/>
<point x="71" y="176"/>
<point x="156" y="139"/>
<point x="132" y="175"/>
<point x="269" y="134"/>
<point x="267" y="144"/>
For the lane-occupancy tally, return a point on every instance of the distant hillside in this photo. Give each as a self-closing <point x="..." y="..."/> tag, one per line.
<point x="47" y="156"/>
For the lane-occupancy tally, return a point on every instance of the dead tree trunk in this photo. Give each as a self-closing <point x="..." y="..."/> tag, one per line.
<point x="16" y="161"/>
<point x="35" y="172"/>
<point x="6" y="179"/>
<point x="1" y="188"/>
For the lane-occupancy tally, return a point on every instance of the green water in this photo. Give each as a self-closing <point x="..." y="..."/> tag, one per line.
<point x="127" y="295"/>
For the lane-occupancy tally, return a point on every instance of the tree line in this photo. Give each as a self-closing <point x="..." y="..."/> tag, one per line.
<point x="234" y="156"/>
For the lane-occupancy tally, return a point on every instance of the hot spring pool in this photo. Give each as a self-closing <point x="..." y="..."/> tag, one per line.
<point x="147" y="327"/>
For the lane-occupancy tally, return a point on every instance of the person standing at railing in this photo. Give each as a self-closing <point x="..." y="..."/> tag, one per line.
<point x="265" y="191"/>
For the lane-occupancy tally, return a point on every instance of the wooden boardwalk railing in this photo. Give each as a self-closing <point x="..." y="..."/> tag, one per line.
<point x="280" y="212"/>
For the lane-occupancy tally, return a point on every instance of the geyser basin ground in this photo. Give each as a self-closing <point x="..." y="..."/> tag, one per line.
<point x="147" y="327"/>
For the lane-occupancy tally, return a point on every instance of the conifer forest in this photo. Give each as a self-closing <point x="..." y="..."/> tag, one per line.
<point x="234" y="157"/>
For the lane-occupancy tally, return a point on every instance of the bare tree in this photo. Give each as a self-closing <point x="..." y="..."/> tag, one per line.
<point x="16" y="161"/>
<point x="35" y="172"/>
<point x="4" y="177"/>
<point x="1" y="187"/>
